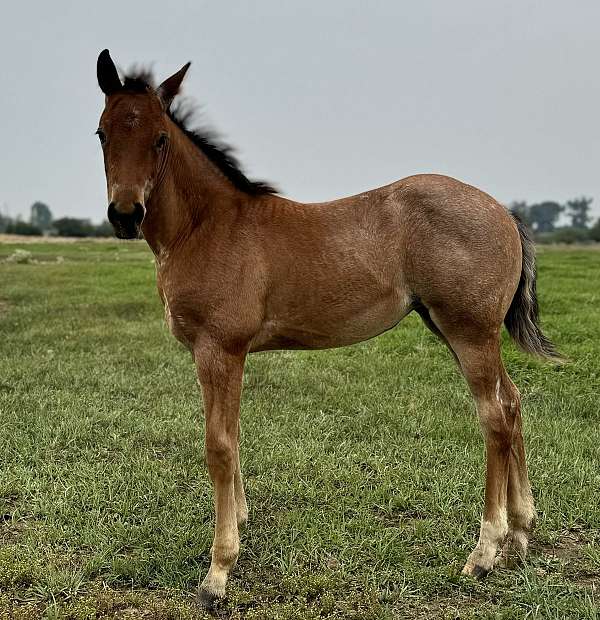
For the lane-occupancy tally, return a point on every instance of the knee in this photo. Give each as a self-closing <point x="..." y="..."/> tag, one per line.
<point x="220" y="456"/>
<point x="496" y="429"/>
<point x="510" y="401"/>
<point x="498" y="405"/>
<point x="497" y="423"/>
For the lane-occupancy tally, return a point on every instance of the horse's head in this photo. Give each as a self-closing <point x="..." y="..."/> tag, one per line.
<point x="134" y="133"/>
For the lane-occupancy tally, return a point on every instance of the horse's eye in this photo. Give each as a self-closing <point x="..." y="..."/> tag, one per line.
<point x="101" y="135"/>
<point x="161" y="141"/>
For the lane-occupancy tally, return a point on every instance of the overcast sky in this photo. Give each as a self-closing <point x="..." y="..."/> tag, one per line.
<point x="324" y="98"/>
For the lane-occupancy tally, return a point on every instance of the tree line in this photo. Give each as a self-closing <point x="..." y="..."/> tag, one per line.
<point x="42" y="222"/>
<point x="541" y="217"/>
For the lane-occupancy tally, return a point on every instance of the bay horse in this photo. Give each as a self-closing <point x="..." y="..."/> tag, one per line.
<point x="242" y="269"/>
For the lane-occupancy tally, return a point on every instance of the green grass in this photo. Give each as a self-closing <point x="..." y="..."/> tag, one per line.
<point x="363" y="466"/>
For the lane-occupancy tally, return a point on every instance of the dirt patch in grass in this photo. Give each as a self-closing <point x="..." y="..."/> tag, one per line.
<point x="443" y="607"/>
<point x="113" y="604"/>
<point x="587" y="579"/>
<point x="567" y="546"/>
<point x="23" y="611"/>
<point x="103" y="602"/>
<point x="567" y="551"/>
<point x="10" y="531"/>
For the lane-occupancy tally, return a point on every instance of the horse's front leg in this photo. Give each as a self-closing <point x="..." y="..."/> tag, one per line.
<point x="220" y="375"/>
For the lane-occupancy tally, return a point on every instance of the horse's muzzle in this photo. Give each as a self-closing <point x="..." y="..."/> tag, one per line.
<point x="126" y="219"/>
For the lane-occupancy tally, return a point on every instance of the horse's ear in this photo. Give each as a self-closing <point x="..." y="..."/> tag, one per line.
<point x="170" y="87"/>
<point x="108" y="78"/>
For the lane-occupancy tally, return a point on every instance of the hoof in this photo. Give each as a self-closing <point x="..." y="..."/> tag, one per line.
<point x="475" y="570"/>
<point x="207" y="600"/>
<point x="479" y="572"/>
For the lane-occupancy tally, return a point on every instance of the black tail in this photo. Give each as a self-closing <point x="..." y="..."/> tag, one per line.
<point x="523" y="315"/>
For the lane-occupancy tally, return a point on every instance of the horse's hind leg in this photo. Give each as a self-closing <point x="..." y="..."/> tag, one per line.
<point x="509" y="507"/>
<point x="521" y="510"/>
<point x="481" y="364"/>
<point x="504" y="429"/>
<point x="477" y="351"/>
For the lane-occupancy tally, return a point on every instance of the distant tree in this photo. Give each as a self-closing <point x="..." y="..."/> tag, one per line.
<point x="544" y="215"/>
<point x="73" y="227"/>
<point x="578" y="210"/>
<point x="41" y="216"/>
<point x="594" y="233"/>
<point x="521" y="209"/>
<point x="4" y="222"/>
<point x="104" y="229"/>
<point x="569" y="234"/>
<point x="18" y="227"/>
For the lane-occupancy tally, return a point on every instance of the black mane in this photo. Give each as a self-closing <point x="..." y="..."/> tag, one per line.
<point x="206" y="139"/>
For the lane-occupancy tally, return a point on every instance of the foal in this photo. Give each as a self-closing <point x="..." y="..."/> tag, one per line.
<point x="241" y="269"/>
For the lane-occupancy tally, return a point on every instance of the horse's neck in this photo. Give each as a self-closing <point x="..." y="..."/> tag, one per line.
<point x="190" y="191"/>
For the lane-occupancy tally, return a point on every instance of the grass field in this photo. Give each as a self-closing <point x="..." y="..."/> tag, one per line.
<point x="363" y="466"/>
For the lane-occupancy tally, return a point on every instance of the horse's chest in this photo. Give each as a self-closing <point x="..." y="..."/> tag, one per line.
<point x="176" y="318"/>
<point x="180" y="326"/>
<point x="169" y="317"/>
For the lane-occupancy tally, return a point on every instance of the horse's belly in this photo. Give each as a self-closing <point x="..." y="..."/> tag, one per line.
<point x="330" y="328"/>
